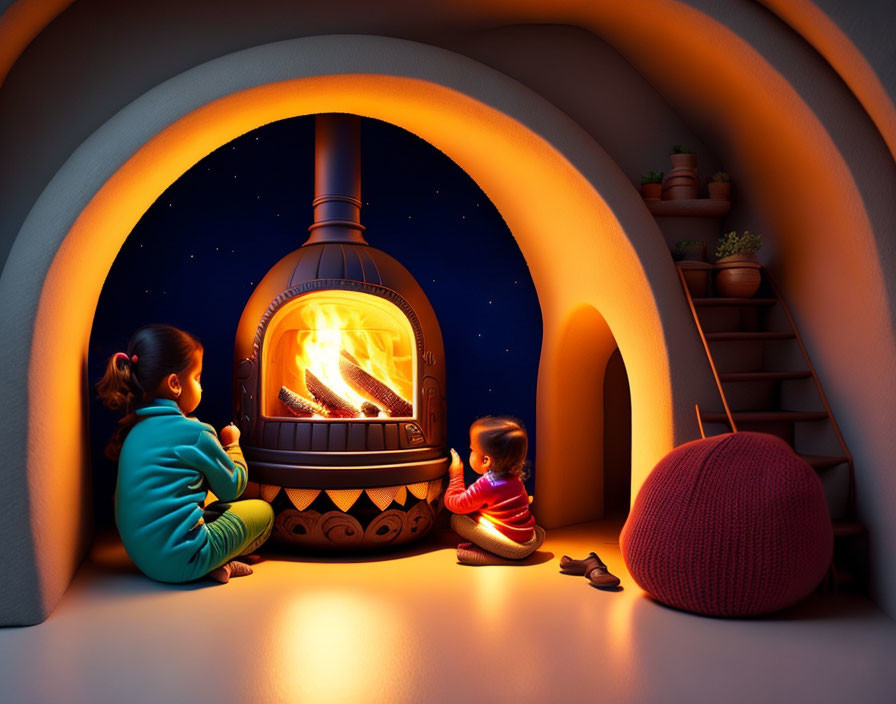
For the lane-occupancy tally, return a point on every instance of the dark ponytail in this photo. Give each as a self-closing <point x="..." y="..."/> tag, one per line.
<point x="132" y="379"/>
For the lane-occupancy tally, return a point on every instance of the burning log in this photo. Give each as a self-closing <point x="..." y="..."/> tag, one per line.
<point x="297" y="405"/>
<point x="372" y="388"/>
<point x="334" y="406"/>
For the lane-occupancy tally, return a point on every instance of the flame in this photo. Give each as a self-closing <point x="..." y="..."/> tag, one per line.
<point x="312" y="331"/>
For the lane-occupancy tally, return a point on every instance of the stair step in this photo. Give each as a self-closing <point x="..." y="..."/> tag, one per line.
<point x="764" y="376"/>
<point x="824" y="461"/>
<point x="763" y="416"/>
<point x="735" y="301"/>
<point x="748" y="336"/>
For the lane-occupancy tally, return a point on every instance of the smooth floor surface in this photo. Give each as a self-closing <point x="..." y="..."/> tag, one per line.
<point x="415" y="627"/>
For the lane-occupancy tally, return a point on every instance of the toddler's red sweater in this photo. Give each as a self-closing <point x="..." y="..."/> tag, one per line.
<point x="501" y="499"/>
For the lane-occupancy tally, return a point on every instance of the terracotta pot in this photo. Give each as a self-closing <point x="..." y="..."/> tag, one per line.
<point x="680" y="184"/>
<point x="684" y="161"/>
<point x="651" y="191"/>
<point x="696" y="277"/>
<point x="719" y="190"/>
<point x="679" y="192"/>
<point x="738" y="276"/>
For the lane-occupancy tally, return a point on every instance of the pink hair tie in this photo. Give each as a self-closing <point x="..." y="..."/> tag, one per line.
<point x="134" y="359"/>
<point x="122" y="355"/>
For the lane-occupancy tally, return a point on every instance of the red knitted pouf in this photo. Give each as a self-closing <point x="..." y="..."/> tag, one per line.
<point x="733" y="525"/>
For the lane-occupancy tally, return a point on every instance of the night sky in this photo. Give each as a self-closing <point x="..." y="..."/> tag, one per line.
<point x="196" y="255"/>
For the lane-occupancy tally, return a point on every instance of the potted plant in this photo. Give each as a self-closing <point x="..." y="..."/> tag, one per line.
<point x="737" y="267"/>
<point x="719" y="186"/>
<point x="681" y="183"/>
<point x="690" y="258"/>
<point x="690" y="251"/>
<point x="683" y="158"/>
<point x="652" y="185"/>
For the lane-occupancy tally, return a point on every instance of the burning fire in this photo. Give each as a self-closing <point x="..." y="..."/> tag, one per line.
<point x="340" y="354"/>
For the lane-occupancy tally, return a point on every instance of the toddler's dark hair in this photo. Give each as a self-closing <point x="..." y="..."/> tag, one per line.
<point x="160" y="350"/>
<point x="504" y="439"/>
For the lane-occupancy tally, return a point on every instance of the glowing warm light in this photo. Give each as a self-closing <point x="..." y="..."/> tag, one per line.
<point x="333" y="646"/>
<point x="320" y="331"/>
<point x="489" y="527"/>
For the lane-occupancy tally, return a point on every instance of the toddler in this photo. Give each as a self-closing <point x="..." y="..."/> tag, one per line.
<point x="493" y="513"/>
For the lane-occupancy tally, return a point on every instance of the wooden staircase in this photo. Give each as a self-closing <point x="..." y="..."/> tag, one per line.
<point x="767" y="383"/>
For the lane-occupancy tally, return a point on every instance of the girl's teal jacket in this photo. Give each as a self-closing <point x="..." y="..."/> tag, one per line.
<point x="167" y="465"/>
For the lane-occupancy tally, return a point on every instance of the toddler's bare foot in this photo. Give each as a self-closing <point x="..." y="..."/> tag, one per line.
<point x="230" y="569"/>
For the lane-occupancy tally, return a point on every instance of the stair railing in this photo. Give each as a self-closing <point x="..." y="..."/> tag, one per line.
<point x="712" y="364"/>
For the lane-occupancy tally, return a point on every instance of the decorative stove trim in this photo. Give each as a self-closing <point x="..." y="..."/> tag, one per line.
<point x="341" y="284"/>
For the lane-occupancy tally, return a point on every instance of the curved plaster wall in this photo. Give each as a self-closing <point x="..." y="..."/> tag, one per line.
<point x="543" y="173"/>
<point x="762" y="99"/>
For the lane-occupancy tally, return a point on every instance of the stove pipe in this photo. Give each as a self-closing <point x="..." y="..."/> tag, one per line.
<point x="337" y="180"/>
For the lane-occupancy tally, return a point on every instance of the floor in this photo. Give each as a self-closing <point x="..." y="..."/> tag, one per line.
<point x="416" y="627"/>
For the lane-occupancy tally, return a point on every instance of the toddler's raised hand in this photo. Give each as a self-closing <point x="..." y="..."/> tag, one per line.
<point x="229" y="434"/>
<point x="457" y="465"/>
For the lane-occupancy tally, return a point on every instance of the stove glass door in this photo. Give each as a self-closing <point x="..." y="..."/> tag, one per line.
<point x="339" y="354"/>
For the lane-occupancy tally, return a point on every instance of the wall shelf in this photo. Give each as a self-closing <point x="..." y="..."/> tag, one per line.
<point x="697" y="208"/>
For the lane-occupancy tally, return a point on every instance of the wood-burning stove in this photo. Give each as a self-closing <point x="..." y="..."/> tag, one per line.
<point x="340" y="377"/>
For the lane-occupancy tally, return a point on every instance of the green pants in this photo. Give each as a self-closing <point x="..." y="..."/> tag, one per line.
<point x="234" y="528"/>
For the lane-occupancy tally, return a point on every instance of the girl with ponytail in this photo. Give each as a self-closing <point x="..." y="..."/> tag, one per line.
<point x="168" y="462"/>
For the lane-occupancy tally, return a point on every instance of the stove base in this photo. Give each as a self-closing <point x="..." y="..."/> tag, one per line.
<point x="321" y="525"/>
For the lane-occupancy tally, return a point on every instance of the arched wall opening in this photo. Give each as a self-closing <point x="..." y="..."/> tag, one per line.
<point x="601" y="263"/>
<point x="198" y="253"/>
<point x="563" y="277"/>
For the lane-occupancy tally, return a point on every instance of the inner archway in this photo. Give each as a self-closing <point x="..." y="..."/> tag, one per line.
<point x="516" y="146"/>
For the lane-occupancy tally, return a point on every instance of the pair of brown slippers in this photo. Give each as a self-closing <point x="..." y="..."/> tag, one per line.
<point x="591" y="567"/>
